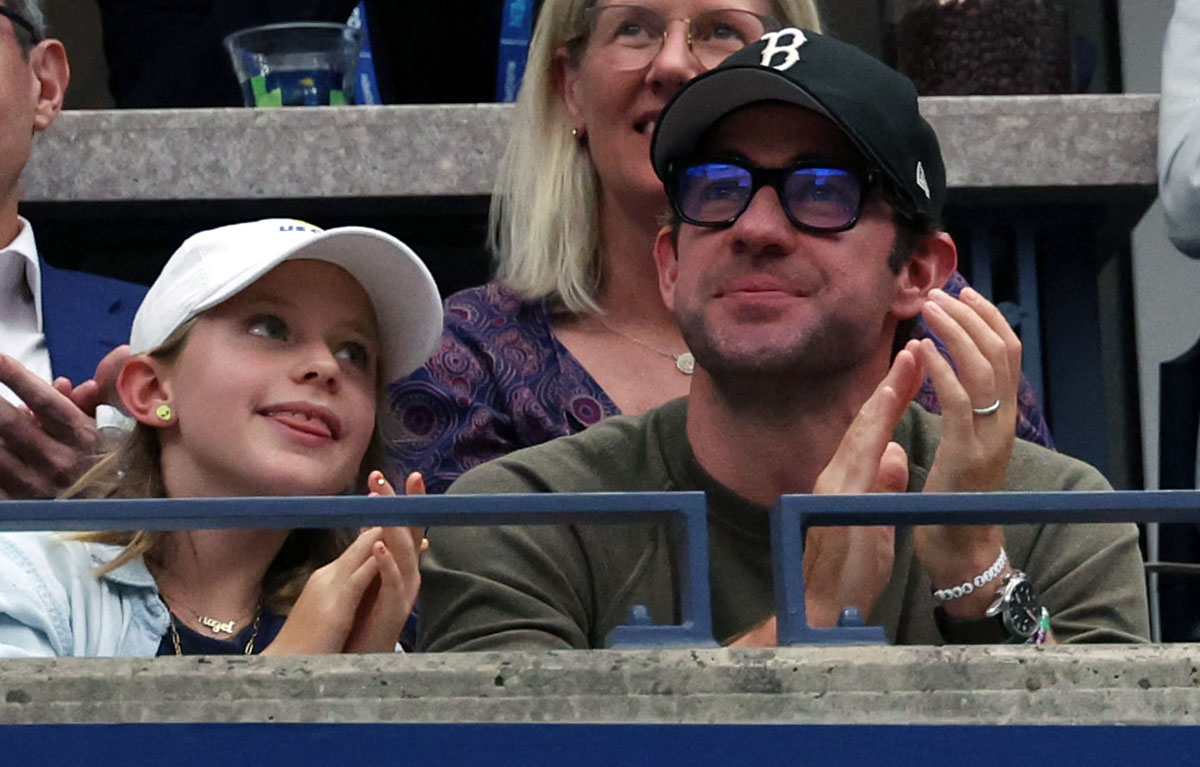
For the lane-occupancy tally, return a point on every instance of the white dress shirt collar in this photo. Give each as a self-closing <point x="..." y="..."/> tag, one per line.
<point x="25" y="246"/>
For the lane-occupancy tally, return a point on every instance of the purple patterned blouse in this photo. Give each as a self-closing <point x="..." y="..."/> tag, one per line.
<point x="501" y="381"/>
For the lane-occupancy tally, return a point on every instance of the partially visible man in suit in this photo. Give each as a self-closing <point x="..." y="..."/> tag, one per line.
<point x="52" y="321"/>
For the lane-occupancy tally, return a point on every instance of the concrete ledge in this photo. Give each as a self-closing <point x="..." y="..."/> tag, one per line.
<point x="1047" y="141"/>
<point x="452" y="150"/>
<point x="814" y="685"/>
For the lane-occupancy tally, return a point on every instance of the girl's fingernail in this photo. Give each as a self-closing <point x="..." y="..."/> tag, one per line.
<point x="969" y="293"/>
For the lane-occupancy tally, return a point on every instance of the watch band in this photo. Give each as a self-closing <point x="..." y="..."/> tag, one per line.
<point x="1006" y="621"/>
<point x="987" y="630"/>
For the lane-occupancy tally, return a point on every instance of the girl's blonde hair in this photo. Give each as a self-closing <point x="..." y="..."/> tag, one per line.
<point x="543" y="223"/>
<point x="134" y="470"/>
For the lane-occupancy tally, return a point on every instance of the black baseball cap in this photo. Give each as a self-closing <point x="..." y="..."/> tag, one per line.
<point x="873" y="104"/>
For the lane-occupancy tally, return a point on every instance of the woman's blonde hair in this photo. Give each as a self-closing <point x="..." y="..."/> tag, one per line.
<point x="134" y="470"/>
<point x="543" y="222"/>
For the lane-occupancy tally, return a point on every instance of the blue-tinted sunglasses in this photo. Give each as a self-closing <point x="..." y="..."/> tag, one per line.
<point x="816" y="196"/>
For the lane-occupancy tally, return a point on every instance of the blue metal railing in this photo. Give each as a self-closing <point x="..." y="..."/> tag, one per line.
<point x="685" y="515"/>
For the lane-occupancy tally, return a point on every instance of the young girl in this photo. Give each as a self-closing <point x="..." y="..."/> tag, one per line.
<point x="257" y="363"/>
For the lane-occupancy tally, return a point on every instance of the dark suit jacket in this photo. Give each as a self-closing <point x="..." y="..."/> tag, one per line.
<point x="84" y="317"/>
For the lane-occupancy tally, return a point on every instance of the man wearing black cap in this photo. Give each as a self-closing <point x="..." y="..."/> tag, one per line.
<point x="806" y="190"/>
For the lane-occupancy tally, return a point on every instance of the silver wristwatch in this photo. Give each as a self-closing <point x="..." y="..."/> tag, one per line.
<point x="1018" y="607"/>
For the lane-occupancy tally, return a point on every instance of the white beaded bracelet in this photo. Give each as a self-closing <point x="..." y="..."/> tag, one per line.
<point x="984" y="578"/>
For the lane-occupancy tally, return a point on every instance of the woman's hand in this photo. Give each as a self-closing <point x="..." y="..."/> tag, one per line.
<point x="360" y="601"/>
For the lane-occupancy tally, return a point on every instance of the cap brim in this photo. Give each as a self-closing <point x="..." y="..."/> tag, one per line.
<point x="708" y="98"/>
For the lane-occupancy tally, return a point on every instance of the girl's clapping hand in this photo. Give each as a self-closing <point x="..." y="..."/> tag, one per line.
<point x="360" y="601"/>
<point x="385" y="606"/>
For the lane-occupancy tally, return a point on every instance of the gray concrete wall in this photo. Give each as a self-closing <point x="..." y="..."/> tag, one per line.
<point x="812" y="685"/>
<point x="1023" y="142"/>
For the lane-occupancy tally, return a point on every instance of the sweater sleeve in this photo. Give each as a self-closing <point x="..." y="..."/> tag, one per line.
<point x="1091" y="576"/>
<point x="512" y="587"/>
<point x="1092" y="580"/>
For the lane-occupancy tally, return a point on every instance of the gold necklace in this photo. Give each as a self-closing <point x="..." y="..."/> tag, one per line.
<point x="247" y="650"/>
<point x="217" y="625"/>
<point x="685" y="363"/>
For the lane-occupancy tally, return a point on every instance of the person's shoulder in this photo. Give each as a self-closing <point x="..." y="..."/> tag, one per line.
<point x="618" y="454"/>
<point x="54" y="554"/>
<point x="41" y="569"/>
<point x="43" y="551"/>
<point x="487" y="301"/>
<point x="491" y="316"/>
<point x="1034" y="467"/>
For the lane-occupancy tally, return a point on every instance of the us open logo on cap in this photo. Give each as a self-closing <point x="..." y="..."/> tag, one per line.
<point x="785" y="42"/>
<point x="300" y="226"/>
<point x="921" y="182"/>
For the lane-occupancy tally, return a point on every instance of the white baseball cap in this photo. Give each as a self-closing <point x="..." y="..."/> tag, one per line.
<point x="215" y="265"/>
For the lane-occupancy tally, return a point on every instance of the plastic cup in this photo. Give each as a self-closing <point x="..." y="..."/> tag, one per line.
<point x="296" y="64"/>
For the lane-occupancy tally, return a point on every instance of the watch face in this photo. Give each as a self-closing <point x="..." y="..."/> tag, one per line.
<point x="1022" y="612"/>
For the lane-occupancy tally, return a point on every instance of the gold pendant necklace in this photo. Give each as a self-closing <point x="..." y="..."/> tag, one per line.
<point x="216" y="625"/>
<point x="684" y="362"/>
<point x="247" y="650"/>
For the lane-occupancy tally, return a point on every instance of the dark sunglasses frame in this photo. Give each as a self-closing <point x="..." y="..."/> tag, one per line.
<point x="23" y="23"/>
<point x="776" y="178"/>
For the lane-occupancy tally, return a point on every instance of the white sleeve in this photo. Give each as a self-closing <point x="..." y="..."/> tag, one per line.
<point x="1179" y="128"/>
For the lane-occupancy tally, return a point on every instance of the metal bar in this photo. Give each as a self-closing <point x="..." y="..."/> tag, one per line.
<point x="685" y="513"/>
<point x="1027" y="300"/>
<point x="344" y="511"/>
<point x="996" y="508"/>
<point x="794" y="513"/>
<point x="981" y="255"/>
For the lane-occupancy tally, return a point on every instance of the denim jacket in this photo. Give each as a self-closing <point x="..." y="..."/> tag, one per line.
<point x="52" y="603"/>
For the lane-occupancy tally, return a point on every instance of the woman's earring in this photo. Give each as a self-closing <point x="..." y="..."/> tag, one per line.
<point x="164" y="413"/>
<point x="577" y="134"/>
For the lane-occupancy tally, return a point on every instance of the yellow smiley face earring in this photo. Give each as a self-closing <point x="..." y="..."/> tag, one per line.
<point x="164" y="413"/>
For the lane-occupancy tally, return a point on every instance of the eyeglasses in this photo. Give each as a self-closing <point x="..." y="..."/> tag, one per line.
<point x="20" y="21"/>
<point x="634" y="34"/>
<point x="815" y="196"/>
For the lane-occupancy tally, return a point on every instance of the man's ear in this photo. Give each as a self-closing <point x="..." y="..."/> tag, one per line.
<point x="143" y="388"/>
<point x="934" y="258"/>
<point x="666" y="258"/>
<point x="52" y="73"/>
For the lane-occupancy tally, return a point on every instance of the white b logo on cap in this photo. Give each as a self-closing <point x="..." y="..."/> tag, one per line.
<point x="921" y="182"/>
<point x="790" y="50"/>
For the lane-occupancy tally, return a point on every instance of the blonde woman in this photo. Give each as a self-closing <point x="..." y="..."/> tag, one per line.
<point x="573" y="330"/>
